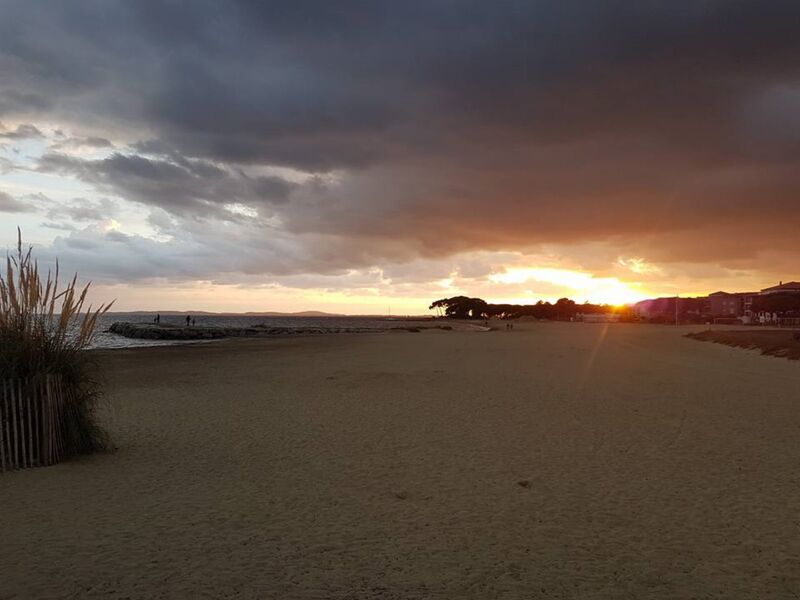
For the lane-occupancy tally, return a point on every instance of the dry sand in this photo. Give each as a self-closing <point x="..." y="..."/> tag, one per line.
<point x="556" y="460"/>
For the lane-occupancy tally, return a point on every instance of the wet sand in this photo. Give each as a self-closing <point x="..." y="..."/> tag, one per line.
<point x="557" y="460"/>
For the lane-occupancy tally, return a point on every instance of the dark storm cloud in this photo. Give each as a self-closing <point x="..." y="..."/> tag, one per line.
<point x="453" y="125"/>
<point x="13" y="101"/>
<point x="319" y="84"/>
<point x="183" y="187"/>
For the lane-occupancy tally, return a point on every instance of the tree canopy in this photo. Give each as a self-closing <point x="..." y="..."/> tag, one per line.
<point x="463" y="307"/>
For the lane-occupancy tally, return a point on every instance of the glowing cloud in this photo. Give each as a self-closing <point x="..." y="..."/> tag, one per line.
<point x="639" y="266"/>
<point x="577" y="284"/>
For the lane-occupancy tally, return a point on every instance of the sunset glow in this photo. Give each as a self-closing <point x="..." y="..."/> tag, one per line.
<point x="582" y="287"/>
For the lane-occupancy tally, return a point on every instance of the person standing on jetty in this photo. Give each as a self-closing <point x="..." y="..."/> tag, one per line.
<point x="188" y="320"/>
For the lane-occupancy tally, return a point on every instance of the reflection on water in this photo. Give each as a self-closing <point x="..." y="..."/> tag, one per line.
<point x="104" y="339"/>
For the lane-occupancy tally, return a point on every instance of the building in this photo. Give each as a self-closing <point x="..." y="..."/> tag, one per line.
<point x="655" y="307"/>
<point x="782" y="300"/>
<point x="731" y="304"/>
<point x="779" y="304"/>
<point x="790" y="287"/>
<point x="664" y="309"/>
<point x="747" y="303"/>
<point x="724" y="304"/>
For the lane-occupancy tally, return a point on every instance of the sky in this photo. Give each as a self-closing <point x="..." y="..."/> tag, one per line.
<point x="365" y="157"/>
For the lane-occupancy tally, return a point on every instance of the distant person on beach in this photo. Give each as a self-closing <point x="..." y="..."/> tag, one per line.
<point x="157" y="320"/>
<point x="188" y="320"/>
<point x="193" y="323"/>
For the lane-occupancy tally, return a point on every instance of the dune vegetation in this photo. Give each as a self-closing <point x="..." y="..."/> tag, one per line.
<point x="44" y="331"/>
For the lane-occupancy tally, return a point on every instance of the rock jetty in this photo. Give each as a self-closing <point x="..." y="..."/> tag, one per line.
<point x="165" y="331"/>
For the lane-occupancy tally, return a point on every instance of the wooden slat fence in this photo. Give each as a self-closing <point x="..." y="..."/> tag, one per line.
<point x="31" y="422"/>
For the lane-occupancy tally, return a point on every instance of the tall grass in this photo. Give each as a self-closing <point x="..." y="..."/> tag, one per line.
<point x="45" y="330"/>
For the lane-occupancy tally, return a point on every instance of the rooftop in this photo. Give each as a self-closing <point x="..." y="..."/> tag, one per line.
<point x="789" y="286"/>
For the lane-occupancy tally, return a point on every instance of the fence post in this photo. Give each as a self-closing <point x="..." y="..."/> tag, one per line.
<point x="58" y="415"/>
<point x="7" y="411"/>
<point x="31" y="422"/>
<point x="53" y="421"/>
<point x="15" y="424"/>
<point x="37" y="403"/>
<point x="30" y="426"/>
<point x="50" y="445"/>
<point x="2" y="429"/>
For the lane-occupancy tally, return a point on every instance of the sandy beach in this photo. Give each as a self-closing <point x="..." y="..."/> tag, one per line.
<point x="556" y="460"/>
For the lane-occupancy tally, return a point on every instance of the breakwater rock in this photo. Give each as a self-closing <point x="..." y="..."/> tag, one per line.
<point x="150" y="331"/>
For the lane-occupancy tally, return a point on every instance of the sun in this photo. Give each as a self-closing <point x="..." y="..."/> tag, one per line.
<point x="620" y="298"/>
